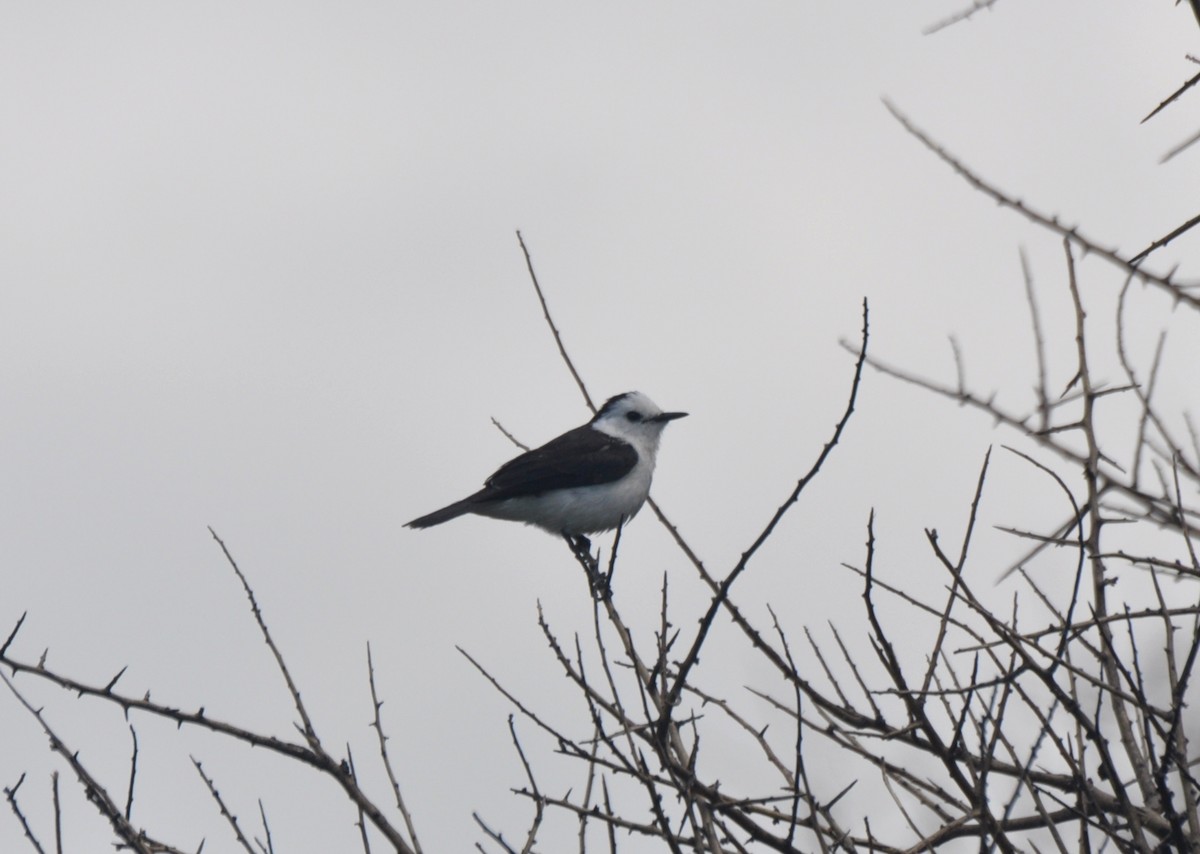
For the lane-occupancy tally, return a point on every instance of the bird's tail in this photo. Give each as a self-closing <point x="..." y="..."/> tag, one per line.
<point x="437" y="517"/>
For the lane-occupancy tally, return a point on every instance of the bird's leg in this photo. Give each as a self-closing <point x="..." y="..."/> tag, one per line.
<point x="612" y="556"/>
<point x="581" y="547"/>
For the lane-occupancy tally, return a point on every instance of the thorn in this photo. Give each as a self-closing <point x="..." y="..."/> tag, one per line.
<point x="108" y="688"/>
<point x="12" y="634"/>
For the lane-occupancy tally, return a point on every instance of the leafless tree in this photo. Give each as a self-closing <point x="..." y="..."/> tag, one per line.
<point x="1047" y="714"/>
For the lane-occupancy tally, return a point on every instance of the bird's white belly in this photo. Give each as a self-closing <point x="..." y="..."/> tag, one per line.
<point x="579" y="510"/>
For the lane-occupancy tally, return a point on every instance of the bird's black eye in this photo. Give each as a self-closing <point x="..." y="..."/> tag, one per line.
<point x="633" y="416"/>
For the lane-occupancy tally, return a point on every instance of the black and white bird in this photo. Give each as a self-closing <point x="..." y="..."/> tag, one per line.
<point x="590" y="479"/>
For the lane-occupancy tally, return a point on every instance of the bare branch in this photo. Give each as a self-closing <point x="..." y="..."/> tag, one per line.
<point x="377" y="725"/>
<point x="10" y="794"/>
<point x="1177" y="290"/>
<point x="562" y="350"/>
<point x="229" y="817"/>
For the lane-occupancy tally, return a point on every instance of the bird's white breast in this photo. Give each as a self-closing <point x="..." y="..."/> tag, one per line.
<point x="581" y="509"/>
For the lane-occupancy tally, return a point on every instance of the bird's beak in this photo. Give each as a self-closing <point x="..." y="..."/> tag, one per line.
<point x="668" y="416"/>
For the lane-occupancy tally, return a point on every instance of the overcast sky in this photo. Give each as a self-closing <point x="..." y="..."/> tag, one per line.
<point x="259" y="271"/>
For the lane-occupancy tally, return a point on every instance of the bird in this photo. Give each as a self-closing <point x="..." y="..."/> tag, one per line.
<point x="588" y="480"/>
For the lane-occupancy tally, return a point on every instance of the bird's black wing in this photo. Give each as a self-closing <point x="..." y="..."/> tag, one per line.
<point x="580" y="457"/>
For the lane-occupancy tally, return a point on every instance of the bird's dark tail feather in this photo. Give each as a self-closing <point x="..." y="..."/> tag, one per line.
<point x="437" y="517"/>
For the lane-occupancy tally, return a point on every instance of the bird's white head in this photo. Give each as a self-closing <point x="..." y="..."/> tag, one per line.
<point x="634" y="418"/>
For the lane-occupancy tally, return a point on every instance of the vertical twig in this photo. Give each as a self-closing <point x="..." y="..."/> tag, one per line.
<point x="377" y="725"/>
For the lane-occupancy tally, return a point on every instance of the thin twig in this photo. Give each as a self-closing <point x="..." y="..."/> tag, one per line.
<point x="1175" y="289"/>
<point x="963" y="15"/>
<point x="693" y="653"/>
<point x="229" y="817"/>
<point x="562" y="350"/>
<point x="132" y="772"/>
<point x="10" y="794"/>
<point x="377" y="725"/>
<point x="310" y="734"/>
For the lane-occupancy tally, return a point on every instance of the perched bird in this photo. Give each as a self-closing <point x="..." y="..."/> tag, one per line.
<point x="589" y="479"/>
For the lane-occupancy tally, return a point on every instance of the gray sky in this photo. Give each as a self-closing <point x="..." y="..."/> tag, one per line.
<point x="258" y="270"/>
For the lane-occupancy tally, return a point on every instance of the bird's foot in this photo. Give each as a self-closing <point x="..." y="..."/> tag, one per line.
<point x="582" y="544"/>
<point x="582" y="547"/>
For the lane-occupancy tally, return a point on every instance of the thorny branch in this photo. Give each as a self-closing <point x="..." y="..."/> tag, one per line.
<point x="311" y="753"/>
<point x="1064" y="769"/>
<point x="1047" y="714"/>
